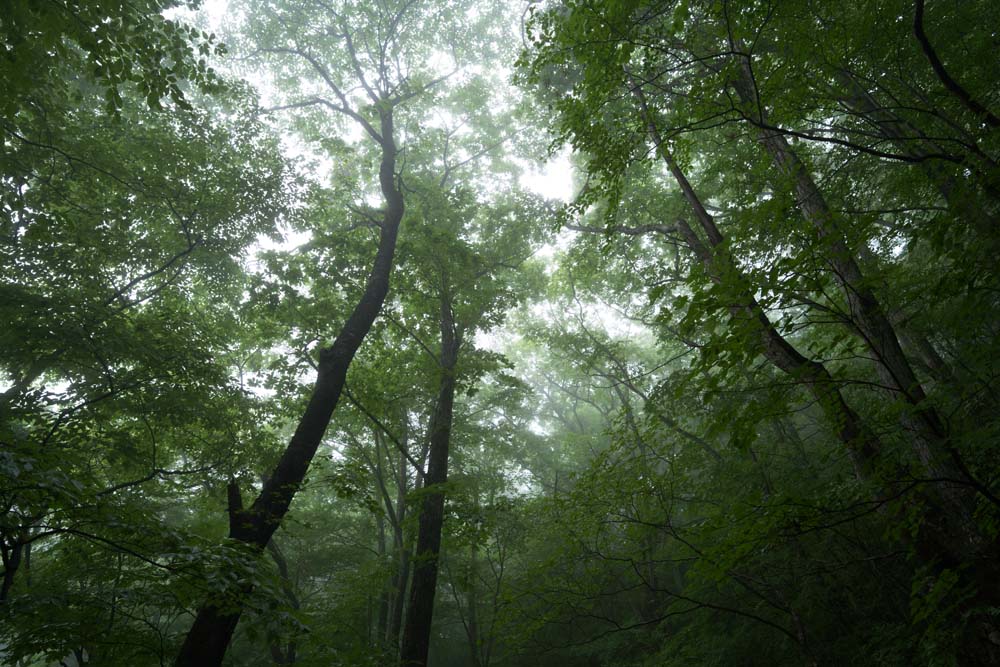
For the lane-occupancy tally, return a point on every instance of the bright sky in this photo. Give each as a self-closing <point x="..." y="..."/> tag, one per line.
<point x="553" y="180"/>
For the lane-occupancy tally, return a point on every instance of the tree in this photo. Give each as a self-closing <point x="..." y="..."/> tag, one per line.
<point x="735" y="403"/>
<point x="209" y="636"/>
<point x="375" y="48"/>
<point x="123" y="232"/>
<point x="483" y="246"/>
<point x="670" y="77"/>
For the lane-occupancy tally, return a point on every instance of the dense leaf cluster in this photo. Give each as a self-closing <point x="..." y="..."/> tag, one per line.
<point x="735" y="403"/>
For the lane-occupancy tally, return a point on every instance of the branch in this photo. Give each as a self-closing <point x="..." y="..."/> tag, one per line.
<point x="153" y="474"/>
<point x="382" y="427"/>
<point x="358" y="71"/>
<point x="981" y="112"/>
<point x="344" y="107"/>
<point x="638" y="230"/>
<point x="403" y="97"/>
<point x="392" y="320"/>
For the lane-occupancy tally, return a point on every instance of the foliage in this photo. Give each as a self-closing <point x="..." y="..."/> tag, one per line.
<point x="734" y="403"/>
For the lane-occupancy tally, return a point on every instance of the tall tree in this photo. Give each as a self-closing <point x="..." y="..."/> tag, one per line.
<point x="368" y="64"/>
<point x="210" y="634"/>
<point x="652" y="70"/>
<point x="469" y="269"/>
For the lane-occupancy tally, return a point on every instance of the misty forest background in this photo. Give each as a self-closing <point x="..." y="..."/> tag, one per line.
<point x="304" y="358"/>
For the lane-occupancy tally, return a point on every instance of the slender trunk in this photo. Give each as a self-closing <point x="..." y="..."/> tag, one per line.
<point x="402" y="551"/>
<point x="929" y="436"/>
<point x="399" y="597"/>
<point x="11" y="563"/>
<point x="472" y="628"/>
<point x="862" y="445"/>
<point x="417" y="630"/>
<point x="946" y="538"/>
<point x="383" y="598"/>
<point x="209" y="636"/>
<point x="27" y="565"/>
<point x="283" y="655"/>
<point x="940" y="539"/>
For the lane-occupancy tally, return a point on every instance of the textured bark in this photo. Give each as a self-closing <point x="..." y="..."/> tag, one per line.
<point x="209" y="636"/>
<point x="928" y="434"/>
<point x="419" y="613"/>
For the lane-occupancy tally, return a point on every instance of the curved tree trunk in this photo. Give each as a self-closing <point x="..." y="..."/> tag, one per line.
<point x="209" y="636"/>
<point x="929" y="435"/>
<point x="947" y="537"/>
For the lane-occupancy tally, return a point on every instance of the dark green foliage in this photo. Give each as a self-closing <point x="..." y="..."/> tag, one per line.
<point x="735" y="404"/>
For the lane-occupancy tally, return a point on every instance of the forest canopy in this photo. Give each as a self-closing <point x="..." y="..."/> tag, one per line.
<point x="307" y="359"/>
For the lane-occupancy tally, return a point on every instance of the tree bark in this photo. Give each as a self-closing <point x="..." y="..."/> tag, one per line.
<point x="929" y="436"/>
<point x="402" y="551"/>
<point x="419" y="614"/>
<point x="209" y="636"/>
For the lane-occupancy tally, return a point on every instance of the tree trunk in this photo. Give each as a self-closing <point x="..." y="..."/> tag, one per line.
<point x="946" y="537"/>
<point x="862" y="445"/>
<point x="928" y="434"/>
<point x="11" y="562"/>
<point x="209" y="636"/>
<point x="283" y="655"/>
<point x="383" y="598"/>
<point x="402" y="551"/>
<point x="399" y="598"/>
<point x="472" y="602"/>
<point x="417" y="630"/>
